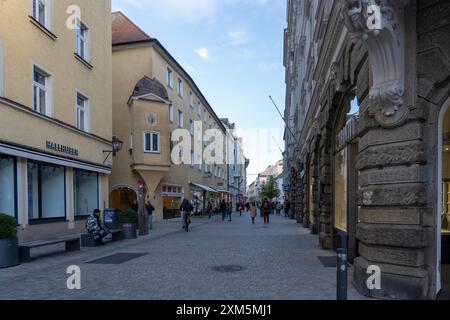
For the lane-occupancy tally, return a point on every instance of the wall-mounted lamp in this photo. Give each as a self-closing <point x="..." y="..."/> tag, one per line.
<point x="116" y="145"/>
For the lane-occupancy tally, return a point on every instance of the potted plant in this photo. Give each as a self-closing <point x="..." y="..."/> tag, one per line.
<point x="129" y="221"/>
<point x="9" y="244"/>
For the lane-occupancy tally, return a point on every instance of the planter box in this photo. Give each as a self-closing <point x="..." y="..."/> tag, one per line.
<point x="129" y="230"/>
<point x="9" y="253"/>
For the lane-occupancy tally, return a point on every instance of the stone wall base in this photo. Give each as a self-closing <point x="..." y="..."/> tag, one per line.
<point x="403" y="283"/>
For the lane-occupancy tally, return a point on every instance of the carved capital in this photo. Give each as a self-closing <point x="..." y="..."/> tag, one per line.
<point x="380" y="25"/>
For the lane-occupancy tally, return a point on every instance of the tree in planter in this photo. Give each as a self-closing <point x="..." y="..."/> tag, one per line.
<point x="8" y="227"/>
<point x="128" y="216"/>
<point x="9" y="246"/>
<point x="270" y="189"/>
<point x="129" y="220"/>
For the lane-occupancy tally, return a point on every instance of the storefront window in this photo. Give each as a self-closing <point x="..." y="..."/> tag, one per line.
<point x="46" y="191"/>
<point x="340" y="190"/>
<point x="85" y="187"/>
<point x="7" y="186"/>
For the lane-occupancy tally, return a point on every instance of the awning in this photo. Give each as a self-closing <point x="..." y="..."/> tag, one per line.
<point x="203" y="187"/>
<point x="223" y="191"/>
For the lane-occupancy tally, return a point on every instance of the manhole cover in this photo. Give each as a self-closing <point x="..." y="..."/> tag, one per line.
<point x="117" y="258"/>
<point x="228" y="269"/>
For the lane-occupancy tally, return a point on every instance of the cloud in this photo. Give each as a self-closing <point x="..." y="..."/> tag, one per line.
<point x="238" y="36"/>
<point x="204" y="54"/>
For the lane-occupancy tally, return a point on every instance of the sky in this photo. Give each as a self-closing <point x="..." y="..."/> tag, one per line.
<point x="233" y="49"/>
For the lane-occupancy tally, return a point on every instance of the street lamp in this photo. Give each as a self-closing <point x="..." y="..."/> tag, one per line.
<point x="116" y="145"/>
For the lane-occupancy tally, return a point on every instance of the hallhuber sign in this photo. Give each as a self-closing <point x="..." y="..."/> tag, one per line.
<point x="60" y="148"/>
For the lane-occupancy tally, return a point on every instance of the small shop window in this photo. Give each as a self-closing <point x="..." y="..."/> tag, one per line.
<point x="46" y="191"/>
<point x="85" y="188"/>
<point x="7" y="186"/>
<point x="340" y="190"/>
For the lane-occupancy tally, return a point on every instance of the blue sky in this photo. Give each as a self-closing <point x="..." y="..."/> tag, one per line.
<point x="233" y="49"/>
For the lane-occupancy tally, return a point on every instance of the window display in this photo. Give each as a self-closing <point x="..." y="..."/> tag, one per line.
<point x="340" y="190"/>
<point x="85" y="188"/>
<point x="7" y="186"/>
<point x="46" y="191"/>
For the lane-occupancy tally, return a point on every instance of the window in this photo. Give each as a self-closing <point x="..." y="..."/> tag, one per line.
<point x="340" y="187"/>
<point x="171" y="112"/>
<point x="151" y="142"/>
<point x="7" y="186"/>
<point x="82" y="33"/>
<point x="40" y="11"/>
<point x="191" y="127"/>
<point x="82" y="112"/>
<point x="170" y="78"/>
<point x="180" y="119"/>
<point x="85" y="192"/>
<point x="1" y="69"/>
<point x="180" y="88"/>
<point x="46" y="191"/>
<point x="199" y="111"/>
<point x="191" y="99"/>
<point x="40" y="91"/>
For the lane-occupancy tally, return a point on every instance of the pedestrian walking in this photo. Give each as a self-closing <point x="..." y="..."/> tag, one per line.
<point x="279" y="207"/>
<point x="209" y="209"/>
<point x="287" y="206"/>
<point x="230" y="210"/>
<point x="253" y="212"/>
<point x="266" y="209"/>
<point x="223" y="209"/>
<point x="150" y="208"/>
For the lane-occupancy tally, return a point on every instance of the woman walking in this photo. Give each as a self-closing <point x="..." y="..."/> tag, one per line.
<point x="253" y="212"/>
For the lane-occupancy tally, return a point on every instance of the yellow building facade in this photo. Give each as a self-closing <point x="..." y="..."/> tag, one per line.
<point x="153" y="96"/>
<point x="55" y="113"/>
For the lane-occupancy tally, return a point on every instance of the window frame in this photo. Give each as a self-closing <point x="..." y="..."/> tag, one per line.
<point x="191" y="100"/>
<point x="74" y="192"/>
<point x="85" y="38"/>
<point x="180" y="88"/>
<point x="47" y="88"/>
<point x="40" y="213"/>
<point x="86" y="110"/>
<point x="180" y="119"/>
<point x="2" y="70"/>
<point x="171" y="109"/>
<point x="15" y="188"/>
<point x="144" y="144"/>
<point x="170" y="78"/>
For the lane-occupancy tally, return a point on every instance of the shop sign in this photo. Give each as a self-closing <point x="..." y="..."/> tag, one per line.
<point x="61" y="148"/>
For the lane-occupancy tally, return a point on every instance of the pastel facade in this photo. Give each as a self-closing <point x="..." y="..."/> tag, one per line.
<point x="152" y="97"/>
<point x="55" y="114"/>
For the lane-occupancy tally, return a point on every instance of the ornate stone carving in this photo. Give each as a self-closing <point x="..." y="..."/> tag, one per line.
<point x="379" y="23"/>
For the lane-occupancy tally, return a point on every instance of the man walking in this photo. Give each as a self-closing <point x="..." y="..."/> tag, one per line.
<point x="230" y="210"/>
<point x="266" y="209"/>
<point x="223" y="209"/>
<point x="287" y="206"/>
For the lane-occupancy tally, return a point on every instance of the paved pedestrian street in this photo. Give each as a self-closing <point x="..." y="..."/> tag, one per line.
<point x="215" y="260"/>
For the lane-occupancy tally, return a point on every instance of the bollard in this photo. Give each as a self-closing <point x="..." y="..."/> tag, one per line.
<point x="342" y="274"/>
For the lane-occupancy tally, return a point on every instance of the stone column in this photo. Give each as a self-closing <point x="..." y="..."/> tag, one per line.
<point x="392" y="157"/>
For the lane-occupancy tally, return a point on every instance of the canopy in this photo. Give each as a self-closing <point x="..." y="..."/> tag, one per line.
<point x="203" y="187"/>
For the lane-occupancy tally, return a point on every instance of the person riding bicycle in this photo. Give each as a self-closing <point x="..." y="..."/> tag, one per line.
<point x="186" y="211"/>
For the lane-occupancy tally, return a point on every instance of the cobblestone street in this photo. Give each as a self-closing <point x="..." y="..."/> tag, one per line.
<point x="280" y="262"/>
